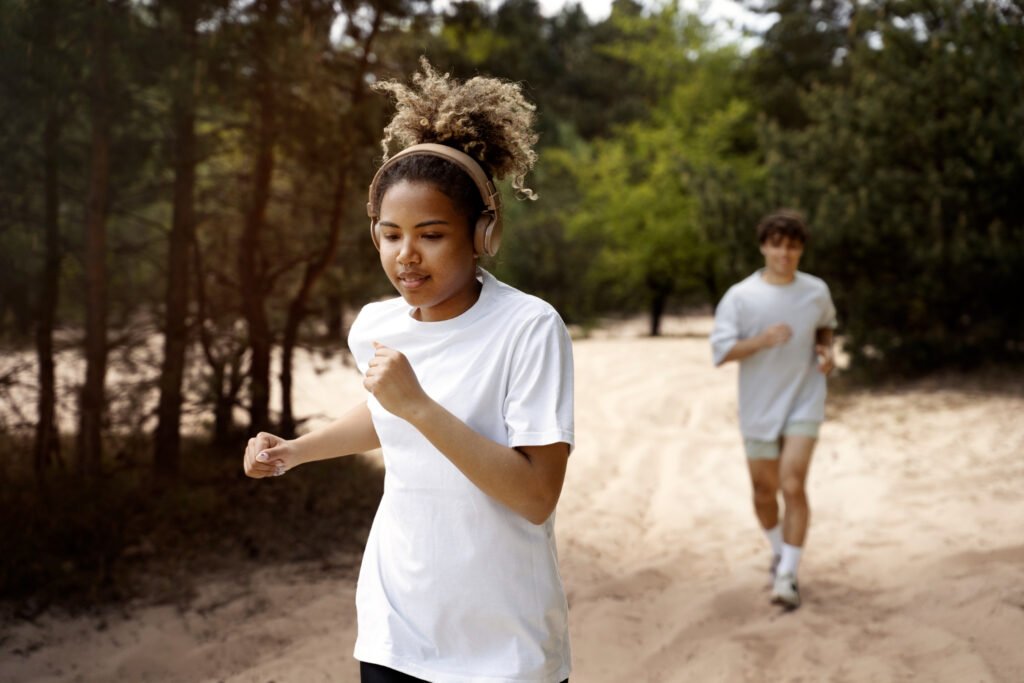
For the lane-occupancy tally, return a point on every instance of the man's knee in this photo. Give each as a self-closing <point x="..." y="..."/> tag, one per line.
<point x="765" y="491"/>
<point x="793" y="488"/>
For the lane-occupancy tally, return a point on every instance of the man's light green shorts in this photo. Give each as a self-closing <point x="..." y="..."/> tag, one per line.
<point x="769" y="450"/>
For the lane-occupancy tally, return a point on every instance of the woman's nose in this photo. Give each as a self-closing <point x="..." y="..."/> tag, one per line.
<point x="407" y="252"/>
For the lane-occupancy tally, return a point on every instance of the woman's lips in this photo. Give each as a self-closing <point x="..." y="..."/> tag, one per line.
<point x="412" y="280"/>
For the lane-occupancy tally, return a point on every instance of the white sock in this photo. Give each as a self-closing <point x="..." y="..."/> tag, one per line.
<point x="790" y="559"/>
<point x="775" y="538"/>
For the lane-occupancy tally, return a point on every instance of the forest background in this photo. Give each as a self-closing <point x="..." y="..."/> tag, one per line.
<point x="182" y="215"/>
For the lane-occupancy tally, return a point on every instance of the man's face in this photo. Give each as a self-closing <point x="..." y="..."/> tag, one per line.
<point x="782" y="256"/>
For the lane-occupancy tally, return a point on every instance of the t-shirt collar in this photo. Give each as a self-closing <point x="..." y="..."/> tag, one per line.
<point x="462" y="320"/>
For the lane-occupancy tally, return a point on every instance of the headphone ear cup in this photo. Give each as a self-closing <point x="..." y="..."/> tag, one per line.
<point x="487" y="235"/>
<point x="375" y="234"/>
<point x="480" y="234"/>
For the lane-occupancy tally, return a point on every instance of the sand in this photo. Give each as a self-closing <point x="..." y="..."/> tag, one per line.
<point x="913" y="570"/>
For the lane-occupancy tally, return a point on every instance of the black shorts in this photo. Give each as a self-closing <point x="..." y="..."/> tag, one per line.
<point x="375" y="673"/>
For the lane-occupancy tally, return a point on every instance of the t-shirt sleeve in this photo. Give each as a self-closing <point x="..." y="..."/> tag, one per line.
<point x="726" y="331"/>
<point x="539" y="403"/>
<point x="359" y="344"/>
<point x="828" y="310"/>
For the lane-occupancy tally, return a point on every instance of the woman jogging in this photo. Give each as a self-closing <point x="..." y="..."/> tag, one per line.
<point x="471" y="402"/>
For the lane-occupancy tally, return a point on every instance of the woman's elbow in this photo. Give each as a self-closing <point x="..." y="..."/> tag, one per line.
<point x="539" y="494"/>
<point x="540" y="509"/>
<point x="537" y="518"/>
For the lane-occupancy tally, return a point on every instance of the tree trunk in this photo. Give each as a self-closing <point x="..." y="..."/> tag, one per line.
<point x="286" y="429"/>
<point x="167" y="446"/>
<point x="224" y="397"/>
<point x="228" y="383"/>
<point x="223" y="405"/>
<point x="333" y="318"/>
<point x="252" y="268"/>
<point x="658" y="302"/>
<point x="92" y="401"/>
<point x="297" y="309"/>
<point x="47" y="443"/>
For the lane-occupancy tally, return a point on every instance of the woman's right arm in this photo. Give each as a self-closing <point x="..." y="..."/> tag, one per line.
<point x="268" y="455"/>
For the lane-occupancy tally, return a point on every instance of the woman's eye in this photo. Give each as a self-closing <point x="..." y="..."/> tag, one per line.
<point x="432" y="236"/>
<point x="390" y="236"/>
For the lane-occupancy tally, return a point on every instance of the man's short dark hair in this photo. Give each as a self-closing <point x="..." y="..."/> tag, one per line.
<point x="784" y="223"/>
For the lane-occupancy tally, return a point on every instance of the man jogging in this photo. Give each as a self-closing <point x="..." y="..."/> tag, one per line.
<point x="778" y="324"/>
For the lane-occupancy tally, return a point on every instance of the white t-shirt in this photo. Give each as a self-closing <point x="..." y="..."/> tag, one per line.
<point x="455" y="586"/>
<point x="781" y="384"/>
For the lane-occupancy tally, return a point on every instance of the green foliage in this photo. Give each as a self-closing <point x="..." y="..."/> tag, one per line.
<point x="653" y="191"/>
<point x="634" y="198"/>
<point x="564" y="62"/>
<point x="539" y="253"/>
<point x="912" y="175"/>
<point x="802" y="49"/>
<point x="42" y="74"/>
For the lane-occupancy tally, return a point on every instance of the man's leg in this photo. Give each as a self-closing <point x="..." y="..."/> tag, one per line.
<point x="764" y="477"/>
<point x="763" y="463"/>
<point x="794" y="463"/>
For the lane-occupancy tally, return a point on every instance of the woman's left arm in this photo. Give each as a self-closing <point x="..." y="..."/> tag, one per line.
<point x="527" y="479"/>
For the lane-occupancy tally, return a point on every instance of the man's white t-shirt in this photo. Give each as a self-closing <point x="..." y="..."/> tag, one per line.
<point x="455" y="586"/>
<point x="780" y="384"/>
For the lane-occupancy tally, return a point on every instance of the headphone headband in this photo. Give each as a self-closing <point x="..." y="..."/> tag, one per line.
<point x="487" y="233"/>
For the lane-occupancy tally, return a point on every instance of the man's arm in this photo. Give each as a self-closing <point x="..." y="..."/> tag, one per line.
<point x="823" y="349"/>
<point x="773" y="336"/>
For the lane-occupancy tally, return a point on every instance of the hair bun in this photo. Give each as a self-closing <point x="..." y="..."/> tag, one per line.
<point x="487" y="118"/>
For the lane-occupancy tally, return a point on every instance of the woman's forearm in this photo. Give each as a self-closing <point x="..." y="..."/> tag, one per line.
<point x="528" y="480"/>
<point x="351" y="433"/>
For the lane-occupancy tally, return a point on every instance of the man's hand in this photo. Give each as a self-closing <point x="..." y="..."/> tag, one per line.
<point x="775" y="335"/>
<point x="393" y="383"/>
<point x="826" y="359"/>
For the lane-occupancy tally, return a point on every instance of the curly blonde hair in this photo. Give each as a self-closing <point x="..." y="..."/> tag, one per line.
<point x="487" y="118"/>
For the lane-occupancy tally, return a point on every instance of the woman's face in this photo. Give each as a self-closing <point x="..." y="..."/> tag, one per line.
<point x="427" y="251"/>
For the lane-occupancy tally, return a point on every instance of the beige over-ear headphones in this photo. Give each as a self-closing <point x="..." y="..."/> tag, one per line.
<point x="487" y="233"/>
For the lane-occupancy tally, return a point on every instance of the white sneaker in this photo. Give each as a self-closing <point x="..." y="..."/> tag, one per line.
<point x="785" y="592"/>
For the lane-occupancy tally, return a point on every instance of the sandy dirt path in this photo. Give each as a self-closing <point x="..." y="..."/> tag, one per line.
<point x="914" y="569"/>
